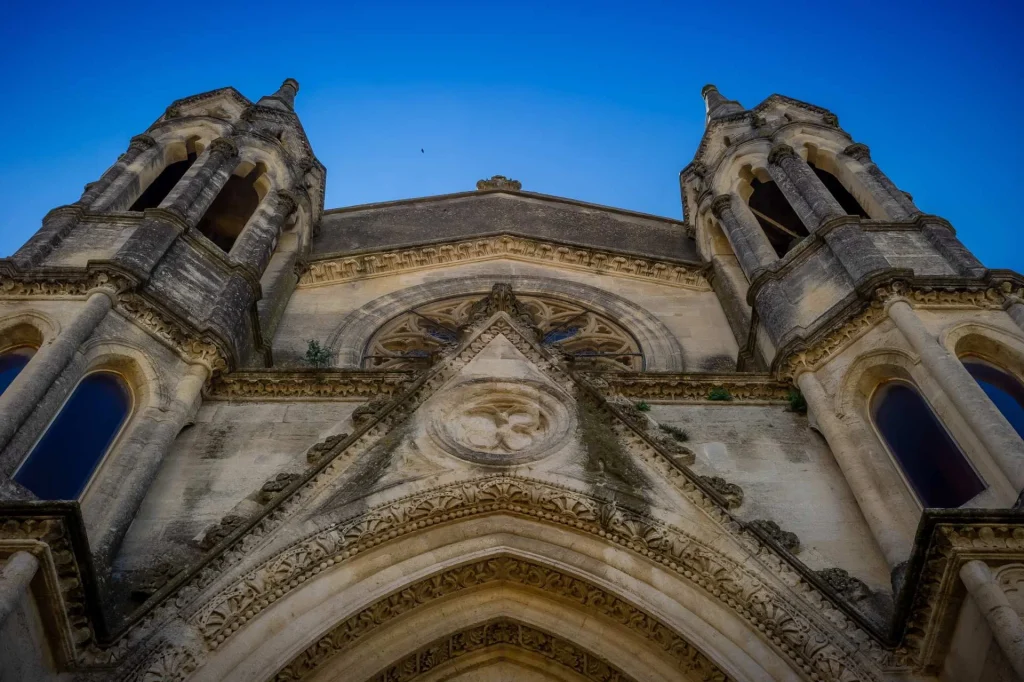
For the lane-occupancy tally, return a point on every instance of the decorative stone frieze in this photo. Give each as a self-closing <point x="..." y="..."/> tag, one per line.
<point x="308" y="385"/>
<point x="744" y="388"/>
<point x="505" y="634"/>
<point x="346" y="268"/>
<point x="316" y="453"/>
<point x="508" y="570"/>
<point x="173" y="333"/>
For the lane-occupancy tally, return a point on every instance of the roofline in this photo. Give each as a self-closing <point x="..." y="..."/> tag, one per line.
<point x="478" y="192"/>
<point x="334" y="255"/>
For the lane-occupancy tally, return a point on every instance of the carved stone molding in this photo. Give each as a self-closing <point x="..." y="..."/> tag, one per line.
<point x="504" y="634"/>
<point x="347" y="268"/>
<point x="308" y="385"/>
<point x="744" y="388"/>
<point x="836" y="337"/>
<point x="828" y="653"/>
<point x="193" y="346"/>
<point x="507" y="570"/>
<point x="135" y="307"/>
<point x="780" y="151"/>
<point x="74" y="285"/>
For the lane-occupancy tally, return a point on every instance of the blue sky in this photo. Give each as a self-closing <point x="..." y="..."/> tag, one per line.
<point x="594" y="101"/>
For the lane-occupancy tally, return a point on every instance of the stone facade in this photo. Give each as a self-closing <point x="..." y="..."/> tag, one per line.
<point x="503" y="435"/>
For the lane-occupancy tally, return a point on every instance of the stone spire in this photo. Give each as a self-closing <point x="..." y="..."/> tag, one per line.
<point x="717" y="105"/>
<point x="284" y="98"/>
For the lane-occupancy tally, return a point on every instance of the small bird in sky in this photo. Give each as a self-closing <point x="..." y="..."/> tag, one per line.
<point x="421" y="151"/>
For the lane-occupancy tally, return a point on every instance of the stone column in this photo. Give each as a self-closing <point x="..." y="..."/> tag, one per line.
<point x="1015" y="309"/>
<point x="896" y="204"/>
<point x="984" y="418"/>
<point x="942" y="236"/>
<point x="15" y="578"/>
<point x="752" y="248"/>
<point x="891" y="524"/>
<point x="111" y="504"/>
<point x="278" y="283"/>
<point x="255" y="245"/>
<point x="194" y="193"/>
<point x="95" y="190"/>
<point x="29" y="387"/>
<point x="803" y="189"/>
<point x="1004" y="622"/>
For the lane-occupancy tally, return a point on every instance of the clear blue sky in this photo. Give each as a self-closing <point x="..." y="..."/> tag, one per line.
<point x="594" y="101"/>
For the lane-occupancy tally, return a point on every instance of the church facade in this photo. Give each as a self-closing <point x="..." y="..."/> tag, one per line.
<point x="502" y="435"/>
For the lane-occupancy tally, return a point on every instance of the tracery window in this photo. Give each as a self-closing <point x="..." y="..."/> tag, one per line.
<point x="931" y="460"/>
<point x="1002" y="388"/>
<point x="590" y="340"/>
<point x="12" y="361"/>
<point x="63" y="461"/>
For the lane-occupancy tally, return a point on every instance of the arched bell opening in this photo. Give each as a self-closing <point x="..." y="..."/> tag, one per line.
<point x="774" y="214"/>
<point x="235" y="204"/>
<point x="179" y="158"/>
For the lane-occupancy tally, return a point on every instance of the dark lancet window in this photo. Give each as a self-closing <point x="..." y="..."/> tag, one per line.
<point x="168" y="178"/>
<point x="12" y="361"/>
<point x="836" y="188"/>
<point x="933" y="463"/>
<point x="1003" y="389"/>
<point x="777" y="218"/>
<point x="231" y="210"/>
<point x="62" y="462"/>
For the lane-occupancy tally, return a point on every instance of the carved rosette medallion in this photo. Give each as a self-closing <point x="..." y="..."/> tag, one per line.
<point x="501" y="422"/>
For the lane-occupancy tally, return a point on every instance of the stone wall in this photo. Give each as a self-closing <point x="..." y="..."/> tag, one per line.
<point x="787" y="474"/>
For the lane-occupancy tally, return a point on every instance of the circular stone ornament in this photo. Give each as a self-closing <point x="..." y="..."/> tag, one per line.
<point x="501" y="423"/>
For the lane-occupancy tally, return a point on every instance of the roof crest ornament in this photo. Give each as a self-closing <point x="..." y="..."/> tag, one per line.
<point x="500" y="182"/>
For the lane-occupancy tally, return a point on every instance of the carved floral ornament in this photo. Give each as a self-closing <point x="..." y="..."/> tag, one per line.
<point x="360" y="266"/>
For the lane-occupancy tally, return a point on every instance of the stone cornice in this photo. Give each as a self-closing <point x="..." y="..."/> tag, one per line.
<point x="688" y="388"/>
<point x="74" y="283"/>
<point x="55" y="533"/>
<point x="926" y="604"/>
<point x="308" y="385"/>
<point x="850" y="320"/>
<point x="350" y="267"/>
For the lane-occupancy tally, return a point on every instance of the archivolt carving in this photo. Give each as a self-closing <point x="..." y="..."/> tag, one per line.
<point x="503" y="633"/>
<point x="347" y="268"/>
<point x="591" y="340"/>
<point x="821" y="652"/>
<point x="512" y="571"/>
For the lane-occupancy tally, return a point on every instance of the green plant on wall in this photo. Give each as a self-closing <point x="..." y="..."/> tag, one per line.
<point x="797" y="403"/>
<point x="719" y="393"/>
<point x="317" y="355"/>
<point x="643" y="406"/>
<point x="675" y="432"/>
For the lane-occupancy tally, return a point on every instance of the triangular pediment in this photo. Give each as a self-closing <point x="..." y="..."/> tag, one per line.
<point x="474" y="214"/>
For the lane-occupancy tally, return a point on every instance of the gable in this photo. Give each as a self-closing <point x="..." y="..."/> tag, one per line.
<point x="401" y="224"/>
